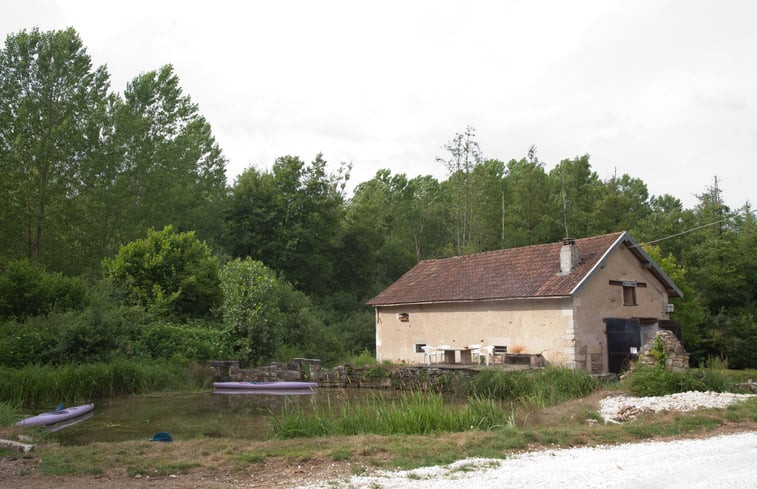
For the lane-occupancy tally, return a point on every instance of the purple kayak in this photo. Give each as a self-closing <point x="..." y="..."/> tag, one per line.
<point x="265" y="386"/>
<point x="53" y="417"/>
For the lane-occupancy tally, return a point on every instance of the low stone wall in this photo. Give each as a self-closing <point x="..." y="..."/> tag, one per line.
<point x="404" y="378"/>
<point x="296" y="370"/>
<point x="676" y="358"/>
<point x="345" y="376"/>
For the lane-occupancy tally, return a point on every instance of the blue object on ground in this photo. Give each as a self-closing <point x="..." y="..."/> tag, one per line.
<point x="162" y="436"/>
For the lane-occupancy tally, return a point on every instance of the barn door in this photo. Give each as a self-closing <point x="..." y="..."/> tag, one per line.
<point x="622" y="335"/>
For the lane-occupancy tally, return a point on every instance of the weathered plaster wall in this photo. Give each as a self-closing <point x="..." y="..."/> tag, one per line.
<point x="597" y="300"/>
<point x="535" y="326"/>
<point x="565" y="331"/>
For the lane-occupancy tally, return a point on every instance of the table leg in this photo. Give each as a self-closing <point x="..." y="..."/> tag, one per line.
<point x="449" y="356"/>
<point x="465" y="356"/>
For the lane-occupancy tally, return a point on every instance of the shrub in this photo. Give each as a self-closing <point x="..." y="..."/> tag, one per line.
<point x="659" y="381"/>
<point x="26" y="289"/>
<point x="170" y="273"/>
<point x="168" y="340"/>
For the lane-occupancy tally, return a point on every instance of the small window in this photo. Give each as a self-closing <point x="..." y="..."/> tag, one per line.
<point x="419" y="347"/>
<point x="404" y="317"/>
<point x="629" y="295"/>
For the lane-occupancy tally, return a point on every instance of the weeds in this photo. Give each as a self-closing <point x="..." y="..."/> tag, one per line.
<point x="413" y="413"/>
<point x="540" y="388"/>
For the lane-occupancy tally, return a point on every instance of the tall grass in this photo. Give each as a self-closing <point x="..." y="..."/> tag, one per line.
<point x="37" y="386"/>
<point x="659" y="381"/>
<point x="413" y="414"/>
<point x="8" y="413"/>
<point x="543" y="387"/>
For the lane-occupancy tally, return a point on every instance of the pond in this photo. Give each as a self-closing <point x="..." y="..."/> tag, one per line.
<point x="199" y="414"/>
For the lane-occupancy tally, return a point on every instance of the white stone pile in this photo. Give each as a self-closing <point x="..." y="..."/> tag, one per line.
<point x="617" y="409"/>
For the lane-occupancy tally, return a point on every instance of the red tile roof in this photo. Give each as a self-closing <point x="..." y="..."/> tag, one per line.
<point x="530" y="271"/>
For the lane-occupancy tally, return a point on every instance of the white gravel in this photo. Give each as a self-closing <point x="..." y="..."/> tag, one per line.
<point x="623" y="408"/>
<point x="721" y="462"/>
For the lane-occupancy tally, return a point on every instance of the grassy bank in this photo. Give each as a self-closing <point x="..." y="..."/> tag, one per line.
<point x="36" y="386"/>
<point x="415" y="413"/>
<point x="566" y="428"/>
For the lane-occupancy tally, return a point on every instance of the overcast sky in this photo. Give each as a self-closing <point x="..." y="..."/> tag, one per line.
<point x="663" y="91"/>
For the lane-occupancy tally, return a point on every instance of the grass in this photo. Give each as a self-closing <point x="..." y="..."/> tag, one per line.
<point x="9" y="413"/>
<point x="407" y="452"/>
<point x="414" y="413"/>
<point x="658" y="381"/>
<point x="540" y="388"/>
<point x="43" y="385"/>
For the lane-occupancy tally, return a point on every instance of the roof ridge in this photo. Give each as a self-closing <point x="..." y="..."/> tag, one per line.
<point x="500" y="250"/>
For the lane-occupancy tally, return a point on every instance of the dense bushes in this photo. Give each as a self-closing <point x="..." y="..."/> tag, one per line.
<point x="26" y="289"/>
<point x="102" y="335"/>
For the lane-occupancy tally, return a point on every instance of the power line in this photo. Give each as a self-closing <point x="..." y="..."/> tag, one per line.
<point x="683" y="232"/>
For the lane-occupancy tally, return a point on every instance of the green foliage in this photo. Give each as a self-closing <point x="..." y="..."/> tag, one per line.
<point x="659" y="381"/>
<point x="171" y="170"/>
<point x="414" y="413"/>
<point x="38" y="386"/>
<point x="290" y="220"/>
<point x="364" y="358"/>
<point x="184" y="342"/>
<point x="658" y="352"/>
<point x="9" y="413"/>
<point x="26" y="289"/>
<point x="53" y="108"/>
<point x="251" y="310"/>
<point x="541" y="388"/>
<point x="169" y="273"/>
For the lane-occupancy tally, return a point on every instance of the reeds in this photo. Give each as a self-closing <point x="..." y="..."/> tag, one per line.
<point x="540" y="388"/>
<point x="414" y="413"/>
<point x="43" y="385"/>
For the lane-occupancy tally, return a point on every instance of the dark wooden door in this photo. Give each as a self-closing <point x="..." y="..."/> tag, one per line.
<point x="622" y="335"/>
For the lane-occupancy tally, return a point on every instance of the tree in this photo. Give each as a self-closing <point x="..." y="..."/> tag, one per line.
<point x="622" y="206"/>
<point x="464" y="156"/>
<point x="577" y="189"/>
<point x="171" y="170"/>
<point x="53" y="111"/>
<point x="250" y="310"/>
<point x="170" y="273"/>
<point x="527" y="203"/>
<point x="290" y="219"/>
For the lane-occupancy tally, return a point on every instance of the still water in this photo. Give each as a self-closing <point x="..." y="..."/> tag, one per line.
<point x="192" y="415"/>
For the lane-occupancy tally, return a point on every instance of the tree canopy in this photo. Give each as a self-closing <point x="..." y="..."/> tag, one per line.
<point x="87" y="176"/>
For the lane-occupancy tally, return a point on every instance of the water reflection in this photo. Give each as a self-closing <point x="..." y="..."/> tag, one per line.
<point x="206" y="414"/>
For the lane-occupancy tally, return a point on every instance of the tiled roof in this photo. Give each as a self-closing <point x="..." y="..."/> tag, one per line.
<point x="530" y="271"/>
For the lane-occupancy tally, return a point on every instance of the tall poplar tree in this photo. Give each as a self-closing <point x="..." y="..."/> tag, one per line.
<point x="53" y="106"/>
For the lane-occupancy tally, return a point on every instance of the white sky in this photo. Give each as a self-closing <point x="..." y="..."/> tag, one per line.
<point x="663" y="91"/>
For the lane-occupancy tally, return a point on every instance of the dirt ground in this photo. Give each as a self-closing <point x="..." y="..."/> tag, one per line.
<point x="24" y="473"/>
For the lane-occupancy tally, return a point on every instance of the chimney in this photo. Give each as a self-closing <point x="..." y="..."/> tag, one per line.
<point x="568" y="256"/>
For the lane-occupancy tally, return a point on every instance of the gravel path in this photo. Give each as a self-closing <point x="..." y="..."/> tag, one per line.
<point x="722" y="462"/>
